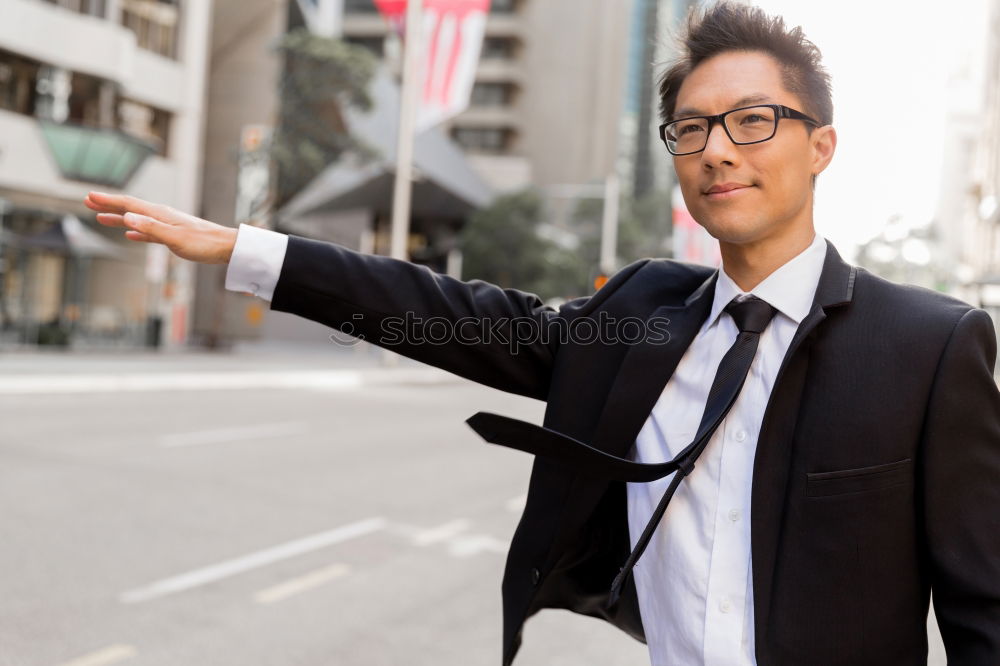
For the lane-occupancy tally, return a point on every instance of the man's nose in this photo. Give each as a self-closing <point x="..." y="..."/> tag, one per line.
<point x="718" y="147"/>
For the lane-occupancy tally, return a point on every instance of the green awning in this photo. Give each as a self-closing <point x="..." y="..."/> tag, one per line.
<point x="101" y="156"/>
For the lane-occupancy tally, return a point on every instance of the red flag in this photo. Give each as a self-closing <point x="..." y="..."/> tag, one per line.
<point x="452" y="39"/>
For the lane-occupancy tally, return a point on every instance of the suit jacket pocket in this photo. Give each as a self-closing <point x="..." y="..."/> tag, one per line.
<point x="860" y="479"/>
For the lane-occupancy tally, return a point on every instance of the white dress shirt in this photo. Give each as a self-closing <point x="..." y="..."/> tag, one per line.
<point x="256" y="262"/>
<point x="694" y="579"/>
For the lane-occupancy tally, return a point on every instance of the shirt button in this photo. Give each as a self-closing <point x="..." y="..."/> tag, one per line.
<point x="725" y="605"/>
<point x="254" y="287"/>
<point x="536" y="576"/>
<point x="741" y="435"/>
<point x="734" y="515"/>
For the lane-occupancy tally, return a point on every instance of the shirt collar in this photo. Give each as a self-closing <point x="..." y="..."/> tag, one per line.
<point x="790" y="289"/>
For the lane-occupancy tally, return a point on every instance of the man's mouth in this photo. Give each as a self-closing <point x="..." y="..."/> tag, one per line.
<point x="723" y="192"/>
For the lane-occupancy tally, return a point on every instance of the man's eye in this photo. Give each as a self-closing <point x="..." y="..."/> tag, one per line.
<point x="754" y="117"/>
<point x="694" y="128"/>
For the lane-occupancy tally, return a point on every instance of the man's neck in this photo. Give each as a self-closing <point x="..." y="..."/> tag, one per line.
<point x="748" y="264"/>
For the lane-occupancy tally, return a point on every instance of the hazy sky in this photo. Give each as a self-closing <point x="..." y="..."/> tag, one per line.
<point x="895" y="65"/>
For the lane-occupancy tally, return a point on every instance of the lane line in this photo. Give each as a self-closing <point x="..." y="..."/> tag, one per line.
<point x="228" y="568"/>
<point x="235" y="434"/>
<point x="108" y="655"/>
<point x="465" y="546"/>
<point x="451" y="535"/>
<point x="444" y="532"/>
<point x="301" y="584"/>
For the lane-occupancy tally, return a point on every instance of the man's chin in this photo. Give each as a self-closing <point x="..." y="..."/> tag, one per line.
<point x="732" y="232"/>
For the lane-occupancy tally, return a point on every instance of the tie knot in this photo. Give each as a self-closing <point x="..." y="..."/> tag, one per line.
<point x="751" y="315"/>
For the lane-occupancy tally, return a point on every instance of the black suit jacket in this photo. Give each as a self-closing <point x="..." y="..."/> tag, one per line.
<point x="877" y="470"/>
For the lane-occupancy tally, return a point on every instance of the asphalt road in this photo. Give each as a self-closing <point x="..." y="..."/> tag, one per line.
<point x="191" y="510"/>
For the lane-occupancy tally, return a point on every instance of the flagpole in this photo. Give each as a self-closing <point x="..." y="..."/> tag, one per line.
<point x="402" y="188"/>
<point x="404" y="148"/>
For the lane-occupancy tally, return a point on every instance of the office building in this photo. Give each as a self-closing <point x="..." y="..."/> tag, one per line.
<point x="106" y="95"/>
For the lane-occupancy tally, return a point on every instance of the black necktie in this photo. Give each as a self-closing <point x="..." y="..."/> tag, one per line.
<point x="752" y="316"/>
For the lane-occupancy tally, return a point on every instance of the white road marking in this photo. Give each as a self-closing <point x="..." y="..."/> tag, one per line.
<point x="450" y="534"/>
<point x="441" y="533"/>
<point x="515" y="504"/>
<point x="237" y="434"/>
<point x="216" y="572"/>
<point x="301" y="584"/>
<point x="464" y="546"/>
<point x="108" y="655"/>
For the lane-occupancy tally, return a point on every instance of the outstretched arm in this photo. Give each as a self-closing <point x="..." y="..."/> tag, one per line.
<point x="498" y="337"/>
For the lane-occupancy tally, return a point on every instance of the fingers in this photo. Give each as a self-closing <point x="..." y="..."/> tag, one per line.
<point x="150" y="229"/>
<point x="139" y="236"/>
<point x="120" y="204"/>
<point x="111" y="220"/>
<point x="115" y="220"/>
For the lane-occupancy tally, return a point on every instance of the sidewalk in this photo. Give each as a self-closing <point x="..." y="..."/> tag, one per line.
<point x="299" y="367"/>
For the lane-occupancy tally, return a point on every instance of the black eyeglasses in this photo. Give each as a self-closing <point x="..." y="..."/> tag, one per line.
<point x="746" y="125"/>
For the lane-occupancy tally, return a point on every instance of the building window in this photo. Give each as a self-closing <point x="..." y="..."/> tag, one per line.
<point x="503" y="6"/>
<point x="492" y="94"/>
<point x="85" y="106"/>
<point x="483" y="139"/>
<point x="88" y="7"/>
<point x="499" y="48"/>
<point x="155" y="24"/>
<point x="17" y="83"/>
<point x="145" y="122"/>
<point x="58" y="95"/>
<point x="360" y="7"/>
<point x="374" y="44"/>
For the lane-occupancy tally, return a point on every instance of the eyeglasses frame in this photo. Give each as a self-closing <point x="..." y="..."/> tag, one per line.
<point x="780" y="111"/>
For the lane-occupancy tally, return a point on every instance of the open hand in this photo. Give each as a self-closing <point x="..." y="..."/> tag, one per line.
<point x="187" y="236"/>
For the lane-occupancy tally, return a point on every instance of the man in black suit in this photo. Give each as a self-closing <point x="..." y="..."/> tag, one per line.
<point x="827" y="442"/>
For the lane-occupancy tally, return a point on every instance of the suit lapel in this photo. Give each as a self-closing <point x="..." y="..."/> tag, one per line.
<point x="645" y="370"/>
<point x="774" y="445"/>
<point x="637" y="386"/>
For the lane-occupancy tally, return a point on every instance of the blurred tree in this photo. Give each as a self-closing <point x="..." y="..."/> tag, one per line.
<point x="501" y="244"/>
<point x="322" y="79"/>
<point x="644" y="229"/>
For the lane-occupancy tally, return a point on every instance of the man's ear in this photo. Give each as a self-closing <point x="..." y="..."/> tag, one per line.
<point x="824" y="142"/>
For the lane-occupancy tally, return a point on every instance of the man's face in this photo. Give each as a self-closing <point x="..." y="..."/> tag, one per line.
<point x="778" y="199"/>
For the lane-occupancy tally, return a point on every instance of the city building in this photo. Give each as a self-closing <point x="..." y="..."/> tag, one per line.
<point x="547" y="98"/>
<point x="241" y="105"/>
<point x="644" y="165"/>
<point x="981" y="252"/>
<point x="545" y="111"/>
<point x="107" y="95"/>
<point x="349" y="202"/>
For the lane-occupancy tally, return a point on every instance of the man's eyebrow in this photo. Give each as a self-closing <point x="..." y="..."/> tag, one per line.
<point x="743" y="101"/>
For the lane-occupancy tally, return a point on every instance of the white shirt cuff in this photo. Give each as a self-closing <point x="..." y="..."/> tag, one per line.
<point x="256" y="261"/>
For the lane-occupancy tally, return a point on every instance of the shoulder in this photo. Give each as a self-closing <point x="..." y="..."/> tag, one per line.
<point x="645" y="283"/>
<point x="906" y="299"/>
<point x="669" y="277"/>
<point x="918" y="310"/>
